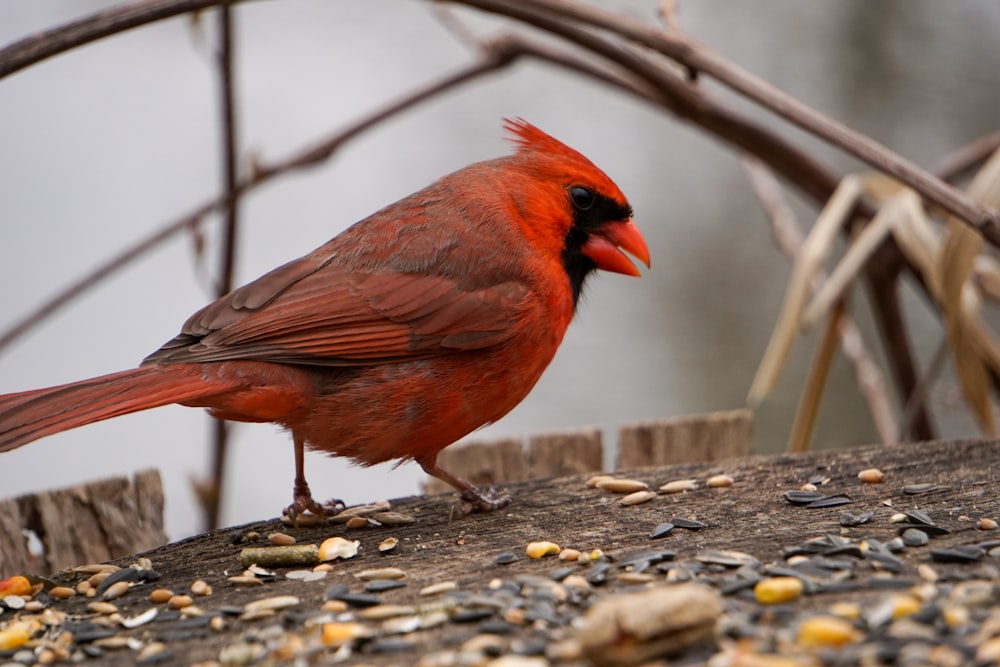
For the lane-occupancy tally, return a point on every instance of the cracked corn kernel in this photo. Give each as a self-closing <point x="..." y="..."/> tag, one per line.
<point x="849" y="610"/>
<point x="16" y="585"/>
<point x="337" y="633"/>
<point x="14" y="637"/>
<point x="540" y="549"/>
<point x="775" y="590"/>
<point x="826" y="631"/>
<point x="956" y="616"/>
<point x="904" y="605"/>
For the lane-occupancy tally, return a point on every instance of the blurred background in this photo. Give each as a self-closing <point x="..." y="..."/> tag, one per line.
<point x="102" y="145"/>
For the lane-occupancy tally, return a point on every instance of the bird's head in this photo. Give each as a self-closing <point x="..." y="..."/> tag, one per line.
<point x="571" y="207"/>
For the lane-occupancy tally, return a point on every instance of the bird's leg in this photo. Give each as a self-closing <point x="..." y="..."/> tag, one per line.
<point x="302" y="499"/>
<point x="473" y="500"/>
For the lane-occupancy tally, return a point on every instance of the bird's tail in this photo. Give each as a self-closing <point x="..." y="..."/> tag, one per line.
<point x="30" y="415"/>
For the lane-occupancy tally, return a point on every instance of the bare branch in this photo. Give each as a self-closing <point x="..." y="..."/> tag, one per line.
<point x="697" y="56"/>
<point x="967" y="157"/>
<point x="310" y="156"/>
<point x="36" y="48"/>
<point x="212" y="491"/>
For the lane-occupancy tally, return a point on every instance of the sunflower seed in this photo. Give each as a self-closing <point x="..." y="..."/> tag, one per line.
<point x="914" y="537"/>
<point x="662" y="530"/>
<point x="957" y="554"/>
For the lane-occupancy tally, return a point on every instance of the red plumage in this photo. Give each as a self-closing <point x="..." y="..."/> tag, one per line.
<point x="430" y="318"/>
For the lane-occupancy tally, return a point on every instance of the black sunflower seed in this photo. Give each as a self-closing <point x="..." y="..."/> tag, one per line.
<point x="662" y="530"/>
<point x="849" y="520"/>
<point x="84" y="633"/>
<point x="920" y="489"/>
<point x="917" y="516"/>
<point x="803" y="497"/>
<point x="390" y="645"/>
<point x="830" y="501"/>
<point x="471" y="615"/>
<point x="958" y="554"/>
<point x="379" y="585"/>
<point x="885" y="561"/>
<point x="932" y="529"/>
<point x="333" y="592"/>
<point x="359" y="599"/>
<point x="505" y="558"/>
<point x="914" y="537"/>
<point x="598" y="574"/>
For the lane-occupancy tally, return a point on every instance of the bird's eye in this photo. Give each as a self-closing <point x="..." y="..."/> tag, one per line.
<point x="583" y="198"/>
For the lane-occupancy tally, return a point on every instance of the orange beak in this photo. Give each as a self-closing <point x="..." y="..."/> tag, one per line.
<point x="606" y="244"/>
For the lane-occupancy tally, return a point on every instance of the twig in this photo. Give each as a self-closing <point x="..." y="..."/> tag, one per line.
<point x="696" y="56"/>
<point x="307" y="157"/>
<point x="544" y="13"/>
<point x="652" y="81"/>
<point x="884" y="282"/>
<point x="36" y="48"/>
<point x="967" y="157"/>
<point x="220" y="428"/>
<point x="920" y="392"/>
<point x="789" y="239"/>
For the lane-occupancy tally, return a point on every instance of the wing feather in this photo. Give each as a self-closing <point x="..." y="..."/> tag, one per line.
<point x="338" y="318"/>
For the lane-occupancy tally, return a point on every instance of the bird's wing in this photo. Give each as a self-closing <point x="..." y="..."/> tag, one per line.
<point x="317" y="312"/>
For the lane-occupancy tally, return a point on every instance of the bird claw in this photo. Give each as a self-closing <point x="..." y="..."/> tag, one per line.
<point x="306" y="511"/>
<point x="474" y="500"/>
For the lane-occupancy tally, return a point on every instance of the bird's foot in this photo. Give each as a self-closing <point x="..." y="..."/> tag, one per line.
<point x="305" y="511"/>
<point x="474" y="500"/>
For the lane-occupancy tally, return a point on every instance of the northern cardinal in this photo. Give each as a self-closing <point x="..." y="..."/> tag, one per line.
<point x="412" y="328"/>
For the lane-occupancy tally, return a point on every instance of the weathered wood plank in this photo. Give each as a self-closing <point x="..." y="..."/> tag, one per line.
<point x="750" y="516"/>
<point x="89" y="523"/>
<point x="15" y="556"/>
<point x="484" y="463"/>
<point x="710" y="437"/>
<point x="565" y="453"/>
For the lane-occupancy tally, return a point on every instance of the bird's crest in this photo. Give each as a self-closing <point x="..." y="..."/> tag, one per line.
<point x="527" y="137"/>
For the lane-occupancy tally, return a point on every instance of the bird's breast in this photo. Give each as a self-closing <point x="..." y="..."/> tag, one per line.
<point x="412" y="410"/>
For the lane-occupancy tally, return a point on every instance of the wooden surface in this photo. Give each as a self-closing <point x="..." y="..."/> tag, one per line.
<point x="88" y="523"/>
<point x="751" y="516"/>
<point x="710" y="436"/>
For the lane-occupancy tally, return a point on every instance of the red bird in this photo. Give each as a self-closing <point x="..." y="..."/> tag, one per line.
<point x="412" y="328"/>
